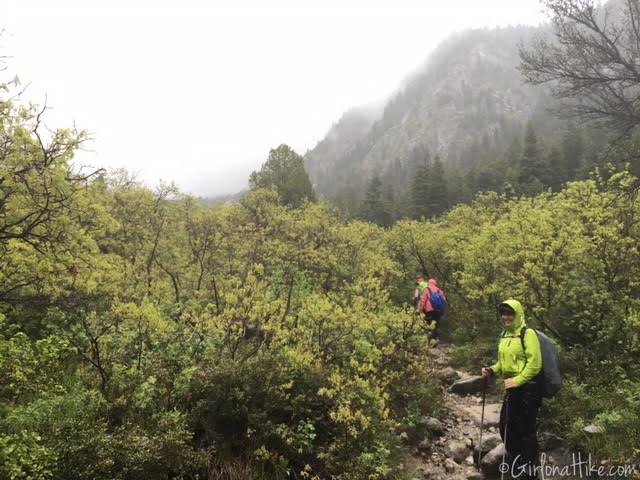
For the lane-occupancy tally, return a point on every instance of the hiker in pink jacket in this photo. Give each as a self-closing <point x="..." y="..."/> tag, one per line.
<point x="433" y="304"/>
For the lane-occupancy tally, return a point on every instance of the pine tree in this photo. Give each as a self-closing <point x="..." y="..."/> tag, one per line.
<point x="532" y="168"/>
<point x="484" y="178"/>
<point x="436" y="185"/>
<point x="514" y="151"/>
<point x="572" y="153"/>
<point x="553" y="159"/>
<point x="372" y="208"/>
<point x="389" y="211"/>
<point x="419" y="193"/>
<point x="456" y="188"/>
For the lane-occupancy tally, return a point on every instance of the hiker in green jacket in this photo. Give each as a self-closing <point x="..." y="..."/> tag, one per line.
<point x="520" y="368"/>
<point x="417" y="294"/>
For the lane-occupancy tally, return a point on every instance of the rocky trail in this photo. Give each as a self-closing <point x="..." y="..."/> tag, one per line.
<point x="451" y="452"/>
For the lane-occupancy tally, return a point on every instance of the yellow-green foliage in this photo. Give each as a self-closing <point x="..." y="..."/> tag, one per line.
<point x="146" y="336"/>
<point x="143" y="335"/>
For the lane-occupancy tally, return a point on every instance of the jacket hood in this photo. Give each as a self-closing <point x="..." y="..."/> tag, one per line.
<point x="519" y="319"/>
<point x="433" y="283"/>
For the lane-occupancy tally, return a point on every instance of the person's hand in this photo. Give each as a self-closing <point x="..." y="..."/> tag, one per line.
<point x="486" y="371"/>
<point x="510" y="383"/>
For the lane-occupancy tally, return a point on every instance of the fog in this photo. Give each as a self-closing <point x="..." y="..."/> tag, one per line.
<point x="198" y="94"/>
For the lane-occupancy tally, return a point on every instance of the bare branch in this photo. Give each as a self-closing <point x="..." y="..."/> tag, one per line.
<point x="593" y="63"/>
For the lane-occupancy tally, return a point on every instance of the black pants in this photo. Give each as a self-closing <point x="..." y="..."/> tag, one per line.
<point x="433" y="316"/>
<point x="518" y="424"/>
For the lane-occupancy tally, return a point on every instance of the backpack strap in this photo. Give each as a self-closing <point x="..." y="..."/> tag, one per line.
<point x="522" y="334"/>
<point x="540" y="376"/>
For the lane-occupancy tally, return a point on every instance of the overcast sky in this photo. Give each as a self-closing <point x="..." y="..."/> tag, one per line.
<point x="198" y="92"/>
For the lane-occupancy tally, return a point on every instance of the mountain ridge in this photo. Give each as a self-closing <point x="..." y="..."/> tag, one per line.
<point x="467" y="101"/>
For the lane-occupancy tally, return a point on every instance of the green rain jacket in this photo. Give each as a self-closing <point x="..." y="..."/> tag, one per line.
<point x="513" y="361"/>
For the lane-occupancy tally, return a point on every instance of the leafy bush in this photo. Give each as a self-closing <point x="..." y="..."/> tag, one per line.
<point x="144" y="335"/>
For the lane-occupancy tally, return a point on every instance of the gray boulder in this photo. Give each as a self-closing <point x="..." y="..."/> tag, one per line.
<point x="489" y="442"/>
<point x="433" y="425"/>
<point x="492" y="460"/>
<point x="447" y="375"/>
<point x="468" y="386"/>
<point x="593" y="429"/>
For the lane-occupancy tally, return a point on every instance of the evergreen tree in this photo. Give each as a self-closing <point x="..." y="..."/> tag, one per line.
<point x="347" y="199"/>
<point x="419" y="193"/>
<point x="456" y="189"/>
<point x="572" y="153"/>
<point x="471" y="154"/>
<point x="437" y="196"/>
<point x="486" y="177"/>
<point x="389" y="209"/>
<point x="595" y="157"/>
<point x="372" y="208"/>
<point x="514" y="151"/>
<point x="284" y="170"/>
<point x="532" y="167"/>
<point x="554" y="160"/>
<point x="403" y="203"/>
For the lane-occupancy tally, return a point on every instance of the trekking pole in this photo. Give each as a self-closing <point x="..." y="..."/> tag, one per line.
<point x="506" y="430"/>
<point x="484" y="396"/>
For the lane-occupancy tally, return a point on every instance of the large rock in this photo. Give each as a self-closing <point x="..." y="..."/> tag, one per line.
<point x="433" y="425"/>
<point x="593" y="429"/>
<point x="458" y="450"/>
<point x="492" y="460"/>
<point x="468" y="386"/>
<point x="447" y="375"/>
<point x="489" y="442"/>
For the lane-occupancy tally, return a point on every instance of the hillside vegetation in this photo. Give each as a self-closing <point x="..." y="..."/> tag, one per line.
<point x="144" y="335"/>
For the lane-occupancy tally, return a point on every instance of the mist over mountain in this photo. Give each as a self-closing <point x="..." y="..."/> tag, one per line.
<point x="467" y="102"/>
